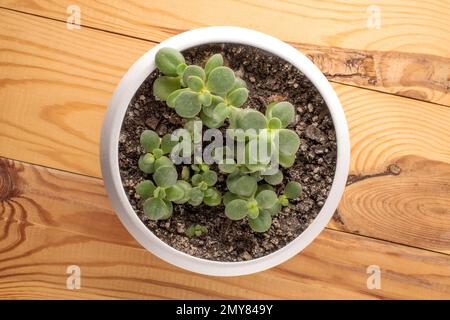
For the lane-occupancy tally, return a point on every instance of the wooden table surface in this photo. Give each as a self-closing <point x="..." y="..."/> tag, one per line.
<point x="394" y="84"/>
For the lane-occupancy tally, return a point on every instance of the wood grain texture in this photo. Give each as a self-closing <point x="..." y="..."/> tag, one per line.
<point x="55" y="85"/>
<point x="408" y="55"/>
<point x="50" y="220"/>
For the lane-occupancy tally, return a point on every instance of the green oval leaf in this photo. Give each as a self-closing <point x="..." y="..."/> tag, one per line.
<point x="282" y="110"/>
<point x="164" y="86"/>
<point x="193" y="70"/>
<point x="173" y="96"/>
<point x="236" y="209"/>
<point x="220" y="80"/>
<point x="244" y="186"/>
<point x="293" y="190"/>
<point x="163" y="161"/>
<point x="205" y="98"/>
<point x="145" y="189"/>
<point x="187" y="191"/>
<point x="165" y="176"/>
<point x="145" y="166"/>
<point x="238" y="83"/>
<point x="149" y="140"/>
<point x="210" y="177"/>
<point x="288" y="141"/>
<point x="167" y="60"/>
<point x="196" y="196"/>
<point x="187" y="104"/>
<point x="252" y="119"/>
<point x="275" y="123"/>
<point x="213" y="62"/>
<point x="237" y="97"/>
<point x="174" y="193"/>
<point x="195" y="84"/>
<point x="167" y="144"/>
<point x="156" y="209"/>
<point x="266" y="199"/>
<point x="262" y="222"/>
<point x="274" y="179"/>
<point x="212" y="197"/>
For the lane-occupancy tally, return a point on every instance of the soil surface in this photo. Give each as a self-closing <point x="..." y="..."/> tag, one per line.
<point x="269" y="79"/>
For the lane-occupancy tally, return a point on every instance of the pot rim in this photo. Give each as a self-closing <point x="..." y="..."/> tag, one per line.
<point x="112" y="124"/>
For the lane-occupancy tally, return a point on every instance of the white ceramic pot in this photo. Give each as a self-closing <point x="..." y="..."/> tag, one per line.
<point x="110" y="140"/>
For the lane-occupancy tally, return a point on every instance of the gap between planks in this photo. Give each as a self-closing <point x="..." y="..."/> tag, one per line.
<point x="424" y="76"/>
<point x="59" y="129"/>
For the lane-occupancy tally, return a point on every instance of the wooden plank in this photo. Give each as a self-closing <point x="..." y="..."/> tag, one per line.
<point x="51" y="219"/>
<point x="408" y="55"/>
<point x="55" y="84"/>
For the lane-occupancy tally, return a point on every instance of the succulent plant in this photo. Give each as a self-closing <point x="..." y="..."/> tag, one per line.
<point x="210" y="96"/>
<point x="203" y="190"/>
<point x="214" y="91"/>
<point x="155" y="149"/>
<point x="270" y="129"/>
<point x="259" y="204"/>
<point x="196" y="230"/>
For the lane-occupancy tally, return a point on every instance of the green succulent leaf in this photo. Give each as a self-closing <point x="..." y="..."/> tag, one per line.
<point x="164" y="86"/>
<point x="174" y="95"/>
<point x="186" y="189"/>
<point x="210" y="122"/>
<point x="145" y="189"/>
<point x="191" y="71"/>
<point x="180" y="68"/>
<point x="266" y="199"/>
<point x="157" y="209"/>
<point x="149" y="140"/>
<point x="236" y="209"/>
<point x="167" y="144"/>
<point x="228" y="197"/>
<point x="205" y="98"/>
<point x="209" y="177"/>
<point x="238" y="83"/>
<point x="242" y="185"/>
<point x="282" y="110"/>
<point x="196" y="179"/>
<point x="196" y="230"/>
<point x="274" y="123"/>
<point x="165" y="176"/>
<point x="275" y="178"/>
<point x="293" y="190"/>
<point x="227" y="167"/>
<point x="220" y="80"/>
<point x="262" y="222"/>
<point x="212" y="197"/>
<point x="144" y="163"/>
<point x="213" y="62"/>
<point x="163" y="161"/>
<point x="251" y="119"/>
<point x="237" y="97"/>
<point x="187" y="104"/>
<point x="196" y="196"/>
<point x="167" y="60"/>
<point x="195" y="83"/>
<point x="262" y="187"/>
<point x="175" y="193"/>
<point x="289" y="142"/>
<point x="286" y="161"/>
<point x="220" y="112"/>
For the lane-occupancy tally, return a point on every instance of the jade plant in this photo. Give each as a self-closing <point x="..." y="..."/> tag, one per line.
<point x="196" y="230"/>
<point x="214" y="95"/>
<point x="213" y="92"/>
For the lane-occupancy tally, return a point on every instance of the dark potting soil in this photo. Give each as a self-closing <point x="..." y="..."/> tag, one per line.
<point x="269" y="79"/>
